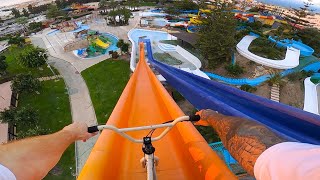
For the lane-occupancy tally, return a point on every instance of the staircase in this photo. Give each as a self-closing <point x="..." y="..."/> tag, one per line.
<point x="166" y="47"/>
<point x="275" y="93"/>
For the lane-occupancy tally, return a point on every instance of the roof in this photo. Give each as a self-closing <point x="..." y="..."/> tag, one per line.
<point x="190" y="38"/>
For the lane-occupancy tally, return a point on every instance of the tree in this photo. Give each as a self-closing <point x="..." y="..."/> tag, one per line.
<point x="35" y="26"/>
<point x="25" y="83"/>
<point x="25" y="12"/>
<point x="103" y="4"/>
<point x="284" y="31"/>
<point x="275" y="78"/>
<point x="120" y="44"/>
<point x="301" y="13"/>
<point x="23" y="21"/>
<point x="16" y="40"/>
<point x="113" y="5"/>
<point x="125" y="47"/>
<point x="8" y="116"/>
<point x="54" y="12"/>
<point x="30" y="9"/>
<point x="133" y="4"/>
<point x="234" y="70"/>
<point x="32" y="57"/>
<point x="3" y="64"/>
<point x="311" y="37"/>
<point x="178" y="6"/>
<point x="217" y="35"/>
<point x="24" y="117"/>
<point x="248" y="88"/>
<point x="15" y="12"/>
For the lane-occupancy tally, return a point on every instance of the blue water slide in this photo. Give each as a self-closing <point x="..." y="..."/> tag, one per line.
<point x="305" y="50"/>
<point x="257" y="81"/>
<point x="292" y="123"/>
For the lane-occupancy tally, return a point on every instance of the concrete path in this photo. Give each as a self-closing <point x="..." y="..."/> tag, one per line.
<point x="54" y="43"/>
<point x="81" y="105"/>
<point x="70" y="67"/>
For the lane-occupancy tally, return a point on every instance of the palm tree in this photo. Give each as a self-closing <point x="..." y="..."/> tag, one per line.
<point x="275" y="78"/>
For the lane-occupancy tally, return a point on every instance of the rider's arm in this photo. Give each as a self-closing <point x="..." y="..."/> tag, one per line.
<point x="33" y="158"/>
<point x="245" y="140"/>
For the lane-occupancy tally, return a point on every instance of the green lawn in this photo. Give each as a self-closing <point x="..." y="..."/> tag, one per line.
<point x="14" y="67"/>
<point x="106" y="81"/>
<point x="54" y="110"/>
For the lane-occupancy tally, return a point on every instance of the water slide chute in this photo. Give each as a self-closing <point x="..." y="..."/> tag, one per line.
<point x="183" y="152"/>
<point x="101" y="43"/>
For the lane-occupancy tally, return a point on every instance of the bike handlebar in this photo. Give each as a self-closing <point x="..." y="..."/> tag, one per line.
<point x="122" y="131"/>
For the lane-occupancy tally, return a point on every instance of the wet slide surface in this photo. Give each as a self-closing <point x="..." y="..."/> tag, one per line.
<point x="183" y="152"/>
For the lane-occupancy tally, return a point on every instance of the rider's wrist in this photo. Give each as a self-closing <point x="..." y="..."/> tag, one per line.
<point x="69" y="134"/>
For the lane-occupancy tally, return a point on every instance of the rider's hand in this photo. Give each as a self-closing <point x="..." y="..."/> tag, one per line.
<point x="206" y="115"/>
<point x="79" y="130"/>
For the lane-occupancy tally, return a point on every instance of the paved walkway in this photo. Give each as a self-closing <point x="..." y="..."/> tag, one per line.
<point x="81" y="105"/>
<point x="55" y="42"/>
<point x="70" y="67"/>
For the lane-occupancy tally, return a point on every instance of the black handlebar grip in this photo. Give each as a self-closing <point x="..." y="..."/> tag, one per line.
<point x="93" y="129"/>
<point x="194" y="118"/>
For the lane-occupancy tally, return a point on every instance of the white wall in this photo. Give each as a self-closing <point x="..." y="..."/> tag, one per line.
<point x="290" y="61"/>
<point x="310" y="97"/>
<point x="190" y="57"/>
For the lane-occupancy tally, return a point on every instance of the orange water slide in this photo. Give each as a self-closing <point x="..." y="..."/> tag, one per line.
<point x="183" y="152"/>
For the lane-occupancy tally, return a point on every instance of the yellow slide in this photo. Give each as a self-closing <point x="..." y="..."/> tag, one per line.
<point x="101" y="43"/>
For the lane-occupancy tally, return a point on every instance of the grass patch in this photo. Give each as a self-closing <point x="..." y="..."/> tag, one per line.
<point x="264" y="48"/>
<point x="167" y="58"/>
<point x="14" y="66"/>
<point x="106" y="81"/>
<point x="54" y="113"/>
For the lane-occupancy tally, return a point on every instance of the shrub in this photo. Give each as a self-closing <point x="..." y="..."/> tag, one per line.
<point x="8" y="116"/>
<point x="34" y="131"/>
<point x="25" y="116"/>
<point x="3" y="65"/>
<point x="248" y="88"/>
<point x="115" y="55"/>
<point x="234" y="69"/>
<point x="33" y="57"/>
<point x="25" y="83"/>
<point x="299" y="75"/>
<point x="16" y="40"/>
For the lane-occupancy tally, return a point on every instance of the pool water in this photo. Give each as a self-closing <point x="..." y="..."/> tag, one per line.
<point x="53" y="32"/>
<point x="154" y="36"/>
<point x="113" y="47"/>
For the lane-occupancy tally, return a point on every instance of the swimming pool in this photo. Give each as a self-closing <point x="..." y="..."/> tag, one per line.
<point x="154" y="36"/>
<point x="53" y="32"/>
<point x="113" y="47"/>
